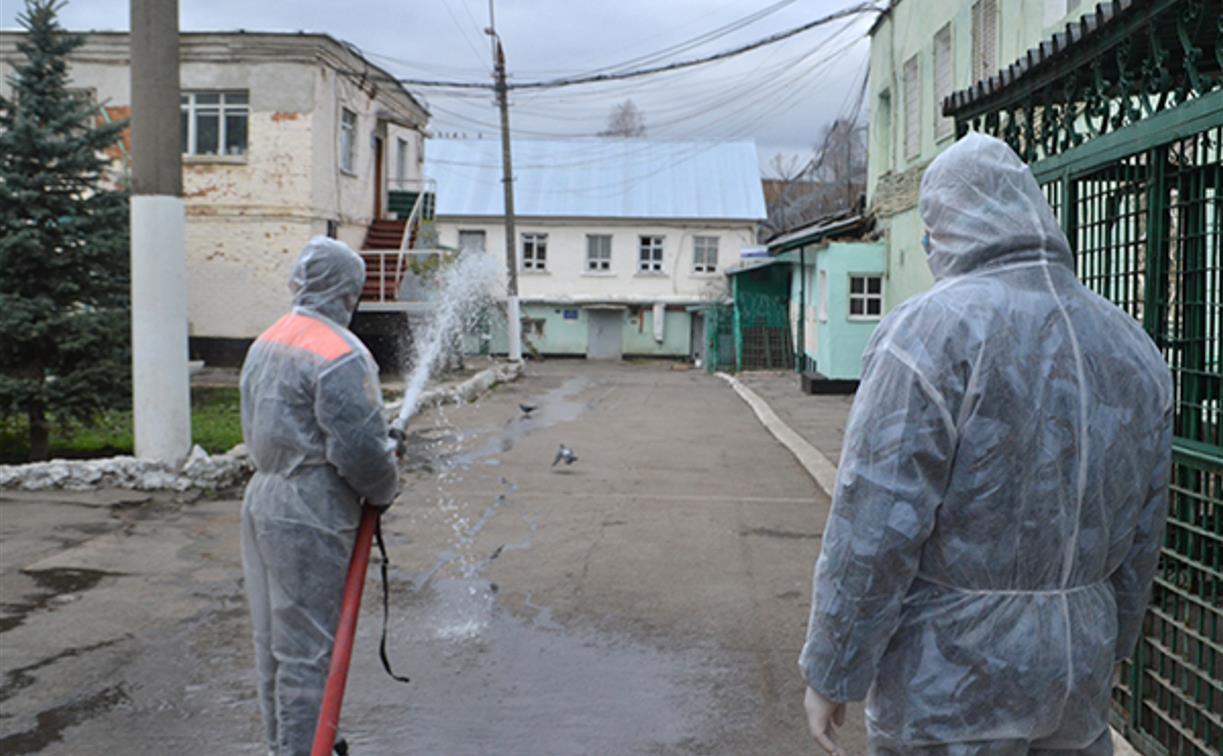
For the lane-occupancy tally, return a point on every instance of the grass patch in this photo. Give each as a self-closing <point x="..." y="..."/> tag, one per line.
<point x="216" y="425"/>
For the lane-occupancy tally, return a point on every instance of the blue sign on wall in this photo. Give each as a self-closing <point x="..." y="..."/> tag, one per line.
<point x="571" y="314"/>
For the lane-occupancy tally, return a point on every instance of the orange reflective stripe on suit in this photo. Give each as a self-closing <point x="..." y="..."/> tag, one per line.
<point x="306" y="333"/>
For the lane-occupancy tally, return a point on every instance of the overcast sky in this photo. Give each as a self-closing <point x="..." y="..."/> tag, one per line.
<point x="780" y="95"/>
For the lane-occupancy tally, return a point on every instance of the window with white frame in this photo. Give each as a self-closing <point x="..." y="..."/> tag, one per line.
<point x="943" y="78"/>
<point x="865" y="296"/>
<point x="883" y="130"/>
<point x="1056" y="10"/>
<point x="598" y="253"/>
<point x="984" y="39"/>
<point x="214" y="123"/>
<point x="649" y="254"/>
<point x="534" y="251"/>
<point x="348" y="139"/>
<point x="471" y="241"/>
<point x="704" y="254"/>
<point x="912" y="80"/>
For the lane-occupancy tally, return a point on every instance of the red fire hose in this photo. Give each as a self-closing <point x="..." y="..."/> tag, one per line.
<point x="345" y="634"/>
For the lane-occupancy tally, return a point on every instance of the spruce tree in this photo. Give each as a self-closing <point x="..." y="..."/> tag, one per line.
<point x="64" y="295"/>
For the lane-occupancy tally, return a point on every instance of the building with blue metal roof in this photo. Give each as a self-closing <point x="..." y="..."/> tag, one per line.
<point x="620" y="241"/>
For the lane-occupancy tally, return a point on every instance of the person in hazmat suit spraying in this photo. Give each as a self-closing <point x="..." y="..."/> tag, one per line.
<point x="313" y="421"/>
<point x="1001" y="497"/>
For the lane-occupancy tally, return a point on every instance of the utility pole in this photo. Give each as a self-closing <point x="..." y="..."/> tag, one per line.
<point x="507" y="181"/>
<point x="161" y="393"/>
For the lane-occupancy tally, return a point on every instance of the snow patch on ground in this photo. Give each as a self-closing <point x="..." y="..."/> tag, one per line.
<point x="202" y="471"/>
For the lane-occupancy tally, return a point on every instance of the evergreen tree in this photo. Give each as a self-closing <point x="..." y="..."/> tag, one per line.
<point x="64" y="296"/>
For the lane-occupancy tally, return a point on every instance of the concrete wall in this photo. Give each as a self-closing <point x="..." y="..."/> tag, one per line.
<point x="832" y="338"/>
<point x="567" y="279"/>
<point x="892" y="179"/>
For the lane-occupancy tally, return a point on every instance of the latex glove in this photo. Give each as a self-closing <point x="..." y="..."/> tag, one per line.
<point x="823" y="717"/>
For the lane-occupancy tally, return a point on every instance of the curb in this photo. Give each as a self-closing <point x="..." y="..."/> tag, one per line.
<point x="466" y="391"/>
<point x="819" y="467"/>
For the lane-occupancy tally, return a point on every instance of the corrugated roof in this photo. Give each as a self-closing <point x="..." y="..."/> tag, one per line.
<point x="600" y="178"/>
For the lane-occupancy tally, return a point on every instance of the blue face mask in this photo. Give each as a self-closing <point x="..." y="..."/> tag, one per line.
<point x="925" y="242"/>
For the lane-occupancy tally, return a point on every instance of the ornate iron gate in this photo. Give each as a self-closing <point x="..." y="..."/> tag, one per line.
<point x="1121" y="118"/>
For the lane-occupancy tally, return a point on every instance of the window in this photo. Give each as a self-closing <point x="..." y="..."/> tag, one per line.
<point x="534" y="251"/>
<point x="333" y="229"/>
<point x="984" y="39"/>
<point x="823" y="311"/>
<point x="912" y="109"/>
<point x="348" y="141"/>
<point x="598" y="253"/>
<point x="401" y="163"/>
<point x="214" y="123"/>
<point x="704" y="254"/>
<point x="865" y="296"/>
<point x="1055" y="10"/>
<point x="649" y="254"/>
<point x="883" y="130"/>
<point x="943" y="75"/>
<point x="471" y="241"/>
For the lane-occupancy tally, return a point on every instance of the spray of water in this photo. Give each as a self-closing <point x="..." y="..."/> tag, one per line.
<point x="464" y="288"/>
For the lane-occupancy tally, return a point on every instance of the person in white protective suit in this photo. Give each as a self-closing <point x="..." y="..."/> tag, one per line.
<point x="1001" y="496"/>
<point x="313" y="421"/>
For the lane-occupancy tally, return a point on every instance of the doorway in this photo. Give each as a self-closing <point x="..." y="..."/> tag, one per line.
<point x="377" y="177"/>
<point x="696" y="350"/>
<point x="604" y="332"/>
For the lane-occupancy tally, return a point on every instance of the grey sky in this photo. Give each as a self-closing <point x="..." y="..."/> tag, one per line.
<point x="780" y="95"/>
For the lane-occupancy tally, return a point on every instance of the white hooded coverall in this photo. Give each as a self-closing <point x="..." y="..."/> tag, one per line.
<point x="313" y="421"/>
<point x="1002" y="490"/>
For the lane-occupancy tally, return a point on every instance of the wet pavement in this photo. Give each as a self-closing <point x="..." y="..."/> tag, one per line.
<point x="650" y="598"/>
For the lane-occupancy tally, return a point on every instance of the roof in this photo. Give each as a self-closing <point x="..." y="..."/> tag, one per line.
<point x="239" y="45"/>
<point x="843" y="224"/>
<point x="600" y="178"/>
<point x="1045" y="56"/>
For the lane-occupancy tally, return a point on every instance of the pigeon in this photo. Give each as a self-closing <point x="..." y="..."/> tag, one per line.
<point x="566" y="455"/>
<point x="527" y="408"/>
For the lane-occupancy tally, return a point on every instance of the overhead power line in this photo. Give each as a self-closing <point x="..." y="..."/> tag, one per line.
<point x="860" y="9"/>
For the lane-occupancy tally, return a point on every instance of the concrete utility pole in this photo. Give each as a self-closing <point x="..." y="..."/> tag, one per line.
<point x="161" y="392"/>
<point x="507" y="181"/>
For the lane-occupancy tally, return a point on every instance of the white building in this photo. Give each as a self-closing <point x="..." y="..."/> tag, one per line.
<point x="618" y="239"/>
<point x="285" y="136"/>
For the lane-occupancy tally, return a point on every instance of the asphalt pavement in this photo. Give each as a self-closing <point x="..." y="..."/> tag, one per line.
<point x="651" y="597"/>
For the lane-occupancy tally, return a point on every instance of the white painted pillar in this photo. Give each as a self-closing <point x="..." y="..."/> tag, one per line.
<point x="161" y="392"/>
<point x="515" y="328"/>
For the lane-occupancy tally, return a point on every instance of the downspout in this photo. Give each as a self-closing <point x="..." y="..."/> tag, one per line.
<point x="800" y="362"/>
<point x="738" y="331"/>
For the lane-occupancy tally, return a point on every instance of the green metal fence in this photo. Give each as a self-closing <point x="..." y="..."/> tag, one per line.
<point x="1121" y="119"/>
<point x="1145" y="228"/>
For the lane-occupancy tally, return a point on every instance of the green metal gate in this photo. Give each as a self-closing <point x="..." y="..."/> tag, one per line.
<point x="1145" y="229"/>
<point x="1121" y="119"/>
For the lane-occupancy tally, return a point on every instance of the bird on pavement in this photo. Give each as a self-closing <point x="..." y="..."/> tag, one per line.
<point x="566" y="455"/>
<point x="527" y="408"/>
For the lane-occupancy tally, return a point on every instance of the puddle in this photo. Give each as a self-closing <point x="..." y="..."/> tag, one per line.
<point x="551" y="408"/>
<point x="487" y="681"/>
<point x="52" y="722"/>
<point x="21" y="677"/>
<point x="54" y="585"/>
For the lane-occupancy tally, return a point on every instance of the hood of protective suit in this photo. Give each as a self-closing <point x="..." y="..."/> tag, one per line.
<point x="327" y="279"/>
<point x="983" y="208"/>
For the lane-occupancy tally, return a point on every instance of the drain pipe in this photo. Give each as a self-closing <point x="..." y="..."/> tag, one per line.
<point x="345" y="635"/>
